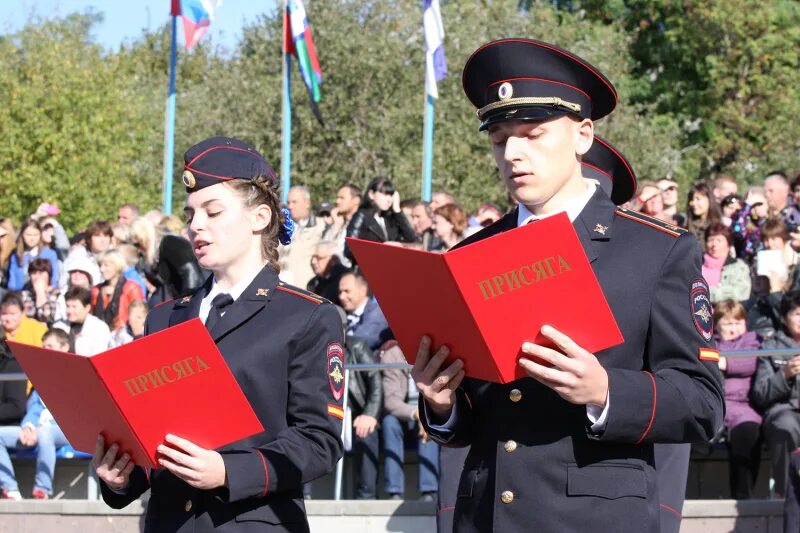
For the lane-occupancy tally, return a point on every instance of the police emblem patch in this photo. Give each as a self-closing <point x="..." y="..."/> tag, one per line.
<point x="702" y="314"/>
<point x="336" y="369"/>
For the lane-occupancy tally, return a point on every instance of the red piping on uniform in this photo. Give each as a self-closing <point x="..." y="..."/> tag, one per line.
<point x="162" y="303"/>
<point x="653" y="413"/>
<point x="670" y="509"/>
<point x="446" y="509"/>
<point x="646" y="223"/>
<point x="204" y="152"/>
<point x="266" y="472"/>
<point x="546" y="81"/>
<point x="301" y="295"/>
<point x="543" y="45"/>
<point x="598" y="169"/>
<point x="619" y="155"/>
<point x="796" y="451"/>
<point x="187" y="167"/>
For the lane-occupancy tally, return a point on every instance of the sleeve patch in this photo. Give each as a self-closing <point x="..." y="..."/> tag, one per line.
<point x="707" y="354"/>
<point x="336" y="370"/>
<point x="700" y="308"/>
<point x="335" y="411"/>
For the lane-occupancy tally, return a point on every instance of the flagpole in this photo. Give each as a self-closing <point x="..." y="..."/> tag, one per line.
<point x="427" y="149"/>
<point x="169" y="129"/>
<point x="286" y="137"/>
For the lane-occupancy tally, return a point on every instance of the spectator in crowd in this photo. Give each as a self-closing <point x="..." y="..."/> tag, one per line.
<point x="729" y="206"/>
<point x="295" y="258"/>
<point x="328" y="270"/>
<point x="348" y="199"/>
<point x="727" y="276"/>
<point x="176" y="272"/>
<point x="440" y="198"/>
<point x="422" y="222"/>
<point x="133" y="328"/>
<point x="701" y="211"/>
<point x="669" y="196"/>
<point x="364" y="317"/>
<point x="777" y="192"/>
<point x="12" y="394"/>
<point x="795" y="187"/>
<point x="379" y="218"/>
<point x="486" y="215"/>
<point x="763" y="316"/>
<point x="127" y="213"/>
<point x="37" y="428"/>
<point x="651" y="202"/>
<point x="132" y="259"/>
<point x="747" y="223"/>
<point x="82" y="271"/>
<point x="54" y="237"/>
<point x="17" y="326"/>
<point x="775" y="392"/>
<point x="364" y="403"/>
<point x="172" y="224"/>
<point x="144" y="236"/>
<point x="39" y="297"/>
<point x="778" y="259"/>
<point x="724" y="185"/>
<point x="324" y="214"/>
<point x="401" y="400"/>
<point x="7" y="245"/>
<point x="121" y="234"/>
<point x="111" y="298"/>
<point x="154" y="216"/>
<point x="88" y="335"/>
<point x="29" y="247"/>
<point x="742" y="421"/>
<point x="98" y="237"/>
<point x="449" y="224"/>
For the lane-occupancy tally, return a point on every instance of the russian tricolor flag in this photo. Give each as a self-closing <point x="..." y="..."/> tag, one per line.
<point x="197" y="16"/>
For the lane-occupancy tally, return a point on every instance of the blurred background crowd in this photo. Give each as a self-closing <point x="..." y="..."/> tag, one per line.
<point x="90" y="291"/>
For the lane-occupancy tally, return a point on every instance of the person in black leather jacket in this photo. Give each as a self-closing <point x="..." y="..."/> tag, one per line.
<point x="380" y="218"/>
<point x="176" y="273"/>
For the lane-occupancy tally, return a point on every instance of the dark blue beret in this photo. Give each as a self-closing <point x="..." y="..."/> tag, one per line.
<point x="525" y="79"/>
<point x="612" y="171"/>
<point x="220" y="159"/>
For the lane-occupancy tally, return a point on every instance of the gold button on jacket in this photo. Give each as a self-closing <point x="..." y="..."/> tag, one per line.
<point x="507" y="496"/>
<point x="510" y="446"/>
<point x="515" y="395"/>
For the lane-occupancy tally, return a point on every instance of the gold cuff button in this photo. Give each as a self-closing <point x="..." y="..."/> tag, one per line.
<point x="515" y="395"/>
<point x="188" y="506"/>
<point x="510" y="446"/>
<point x="507" y="496"/>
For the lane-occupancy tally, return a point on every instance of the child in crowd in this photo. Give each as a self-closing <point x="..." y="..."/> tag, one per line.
<point x="134" y="328"/>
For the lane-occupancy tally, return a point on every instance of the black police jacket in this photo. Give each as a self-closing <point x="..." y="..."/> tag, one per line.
<point x="534" y="464"/>
<point x="284" y="346"/>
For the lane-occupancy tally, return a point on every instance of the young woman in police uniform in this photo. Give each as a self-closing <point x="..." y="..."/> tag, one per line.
<point x="282" y="344"/>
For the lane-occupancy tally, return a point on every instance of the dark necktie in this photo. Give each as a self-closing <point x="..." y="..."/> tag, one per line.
<point x="219" y="304"/>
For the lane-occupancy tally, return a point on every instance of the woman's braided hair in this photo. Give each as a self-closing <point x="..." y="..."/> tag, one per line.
<point x="263" y="190"/>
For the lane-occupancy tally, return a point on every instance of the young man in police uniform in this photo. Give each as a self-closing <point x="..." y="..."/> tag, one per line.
<point x="571" y="447"/>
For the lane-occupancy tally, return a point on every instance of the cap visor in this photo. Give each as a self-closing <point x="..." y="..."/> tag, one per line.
<point x="526" y="114"/>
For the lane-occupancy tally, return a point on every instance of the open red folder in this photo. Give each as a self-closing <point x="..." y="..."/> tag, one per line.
<point x="485" y="299"/>
<point x="174" y="381"/>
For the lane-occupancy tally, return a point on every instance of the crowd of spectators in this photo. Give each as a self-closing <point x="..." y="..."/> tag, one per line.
<point x="91" y="292"/>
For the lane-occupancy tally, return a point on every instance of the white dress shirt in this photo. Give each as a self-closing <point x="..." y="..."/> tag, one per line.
<point x="235" y="292"/>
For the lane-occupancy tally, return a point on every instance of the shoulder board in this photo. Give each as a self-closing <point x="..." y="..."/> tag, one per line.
<point x="310" y="296"/>
<point x="647" y="220"/>
<point x="163" y="303"/>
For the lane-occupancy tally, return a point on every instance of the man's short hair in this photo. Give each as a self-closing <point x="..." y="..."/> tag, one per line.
<point x="359" y="278"/>
<point x="719" y="179"/>
<point x="450" y="197"/>
<point x="354" y="191"/>
<point x="59" y="334"/>
<point x="416" y="202"/>
<point x="303" y="189"/>
<point x="790" y="302"/>
<point x="12" y="298"/>
<point x="82" y="294"/>
<point x="40" y="265"/>
<point x="326" y="246"/>
<point x="777" y="174"/>
<point x="133" y="207"/>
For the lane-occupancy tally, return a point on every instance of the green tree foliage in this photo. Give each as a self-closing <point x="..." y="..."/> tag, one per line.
<point x="703" y="86"/>
<point x="76" y="130"/>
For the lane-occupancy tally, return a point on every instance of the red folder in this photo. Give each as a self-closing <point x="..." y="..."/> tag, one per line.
<point x="485" y="299"/>
<point x="174" y="381"/>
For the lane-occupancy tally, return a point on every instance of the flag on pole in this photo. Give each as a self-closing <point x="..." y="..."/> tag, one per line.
<point x="197" y="16"/>
<point x="299" y="43"/>
<point x="435" y="61"/>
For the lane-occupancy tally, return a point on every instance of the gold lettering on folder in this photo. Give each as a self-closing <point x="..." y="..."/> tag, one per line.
<point x="528" y="274"/>
<point x="170" y="373"/>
